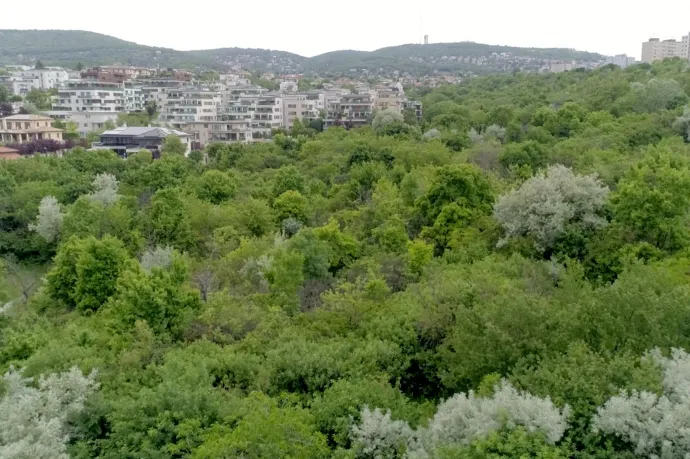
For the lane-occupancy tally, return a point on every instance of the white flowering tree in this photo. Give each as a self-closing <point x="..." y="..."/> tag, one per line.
<point x="460" y="420"/>
<point x="49" y="219"/>
<point x="549" y="204"/>
<point x="33" y="421"/>
<point x="105" y="189"/>
<point x="657" y="426"/>
<point x="159" y="257"/>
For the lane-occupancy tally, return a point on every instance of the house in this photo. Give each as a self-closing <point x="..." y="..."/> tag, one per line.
<point x="27" y="128"/>
<point x="9" y="153"/>
<point x="128" y="140"/>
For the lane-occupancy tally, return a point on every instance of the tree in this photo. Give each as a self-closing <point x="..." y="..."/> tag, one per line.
<point x="657" y="426"/>
<point x="86" y="271"/>
<point x="460" y="420"/>
<point x="386" y="118"/>
<point x="79" y="67"/>
<point x="216" y="187"/>
<point x="168" y="223"/>
<point x="39" y="99"/>
<point x="4" y="95"/>
<point x="550" y="205"/>
<point x="49" y="219"/>
<point x="288" y="178"/>
<point x="291" y="204"/>
<point x="39" y="65"/>
<point x="172" y="145"/>
<point x="105" y="189"/>
<point x="35" y="421"/>
<point x="159" y="297"/>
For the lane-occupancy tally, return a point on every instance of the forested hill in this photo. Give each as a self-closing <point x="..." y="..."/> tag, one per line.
<point x="56" y="47"/>
<point x="507" y="279"/>
<point x="69" y="47"/>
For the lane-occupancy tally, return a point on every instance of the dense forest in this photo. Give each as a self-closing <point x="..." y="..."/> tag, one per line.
<point x="507" y="279"/>
<point x="70" y="47"/>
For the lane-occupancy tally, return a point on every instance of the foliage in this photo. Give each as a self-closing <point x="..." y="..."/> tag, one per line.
<point x="49" y="219"/>
<point x="35" y="420"/>
<point x="550" y="205"/>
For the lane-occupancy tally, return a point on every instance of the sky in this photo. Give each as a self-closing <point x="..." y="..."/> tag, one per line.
<point x="311" y="27"/>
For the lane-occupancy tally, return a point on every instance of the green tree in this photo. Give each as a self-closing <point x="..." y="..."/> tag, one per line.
<point x="172" y="145"/>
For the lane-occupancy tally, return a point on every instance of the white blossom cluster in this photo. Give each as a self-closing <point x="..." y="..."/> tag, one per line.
<point x="492" y="132"/>
<point x="160" y="257"/>
<point x="545" y="205"/>
<point x="459" y="420"/>
<point x="658" y="426"/>
<point x="33" y="421"/>
<point x="49" y="219"/>
<point x="105" y="189"/>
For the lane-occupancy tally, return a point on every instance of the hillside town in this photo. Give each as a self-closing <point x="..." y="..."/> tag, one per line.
<point x="202" y="108"/>
<point x="227" y="109"/>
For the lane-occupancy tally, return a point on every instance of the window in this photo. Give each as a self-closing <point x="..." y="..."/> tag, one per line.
<point x="292" y="106"/>
<point x="27" y="125"/>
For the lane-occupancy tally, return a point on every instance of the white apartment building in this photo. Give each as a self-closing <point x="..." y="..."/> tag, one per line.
<point x="655" y="49"/>
<point x="44" y="79"/>
<point x="267" y="114"/>
<point x="621" y="60"/>
<point x="18" y="86"/>
<point x="685" y="47"/>
<point x="86" y="121"/>
<point x="134" y="98"/>
<point x="90" y="96"/>
<point x="299" y="106"/>
<point x="228" y="131"/>
<point x="185" y="105"/>
<point x="288" y="86"/>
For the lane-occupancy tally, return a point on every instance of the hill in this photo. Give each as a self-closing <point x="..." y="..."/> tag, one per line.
<point x="68" y="47"/>
<point x="444" y="57"/>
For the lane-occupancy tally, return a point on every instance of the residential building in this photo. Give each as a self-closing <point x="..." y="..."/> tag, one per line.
<point x="185" y="105"/>
<point x="18" y="86"/>
<point x="301" y="107"/>
<point x="86" y="121"/>
<point x="90" y="96"/>
<point x="27" y="128"/>
<point x="229" y="131"/>
<point x="267" y="114"/>
<point x="415" y="106"/>
<point x="353" y="110"/>
<point x="655" y="49"/>
<point x="44" y="79"/>
<point x="129" y="140"/>
<point x="390" y="99"/>
<point x="685" y="47"/>
<point x="288" y="86"/>
<point x="621" y="60"/>
<point x="560" y="67"/>
<point x="134" y="98"/>
<point x="9" y="153"/>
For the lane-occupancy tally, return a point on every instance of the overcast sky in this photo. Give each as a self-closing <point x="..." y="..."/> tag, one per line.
<point x="311" y="27"/>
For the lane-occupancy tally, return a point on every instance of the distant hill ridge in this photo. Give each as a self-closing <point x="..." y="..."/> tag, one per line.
<point x="69" y="47"/>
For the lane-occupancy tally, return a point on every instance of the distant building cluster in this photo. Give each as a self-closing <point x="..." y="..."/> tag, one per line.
<point x="655" y="49"/>
<point x="227" y="109"/>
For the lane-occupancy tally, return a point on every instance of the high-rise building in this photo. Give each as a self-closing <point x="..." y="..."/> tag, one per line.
<point x="655" y="49"/>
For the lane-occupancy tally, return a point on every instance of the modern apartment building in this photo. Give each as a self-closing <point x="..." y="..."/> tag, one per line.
<point x="390" y="99"/>
<point x="267" y="113"/>
<point x="229" y="131"/>
<point x="621" y="60"/>
<point x="27" y="128"/>
<point x="655" y="49"/>
<point x="353" y="110"/>
<point x="134" y="98"/>
<point x="185" y="105"/>
<point x="90" y="96"/>
<point x="301" y="106"/>
<point x="44" y="79"/>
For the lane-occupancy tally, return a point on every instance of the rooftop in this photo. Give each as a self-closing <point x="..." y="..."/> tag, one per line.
<point x="159" y="132"/>
<point x="27" y="118"/>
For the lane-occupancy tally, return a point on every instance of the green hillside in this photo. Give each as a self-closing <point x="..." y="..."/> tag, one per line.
<point x="68" y="47"/>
